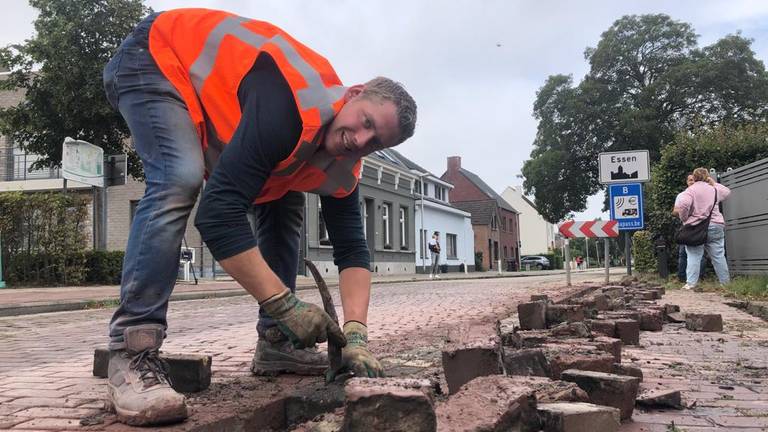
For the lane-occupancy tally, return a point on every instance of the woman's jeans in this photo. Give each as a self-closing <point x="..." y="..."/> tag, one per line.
<point x="716" y="249"/>
<point x="435" y="262"/>
<point x="167" y="142"/>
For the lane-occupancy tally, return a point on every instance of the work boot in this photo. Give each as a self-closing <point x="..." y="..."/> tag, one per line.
<point x="275" y="354"/>
<point x="139" y="389"/>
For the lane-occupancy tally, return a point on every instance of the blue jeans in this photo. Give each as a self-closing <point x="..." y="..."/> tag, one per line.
<point x="167" y="142"/>
<point x="716" y="249"/>
<point x="682" y="264"/>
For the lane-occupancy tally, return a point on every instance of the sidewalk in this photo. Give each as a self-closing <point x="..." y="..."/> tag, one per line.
<point x="25" y="301"/>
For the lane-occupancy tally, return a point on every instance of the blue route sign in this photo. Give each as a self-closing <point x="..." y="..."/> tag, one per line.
<point x="627" y="205"/>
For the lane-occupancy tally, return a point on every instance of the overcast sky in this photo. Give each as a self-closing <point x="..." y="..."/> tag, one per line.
<point x="472" y="66"/>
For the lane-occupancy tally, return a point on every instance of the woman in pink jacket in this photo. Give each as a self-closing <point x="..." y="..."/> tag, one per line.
<point x="694" y="205"/>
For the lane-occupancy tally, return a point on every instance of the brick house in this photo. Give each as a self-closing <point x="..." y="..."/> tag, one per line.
<point x="495" y="222"/>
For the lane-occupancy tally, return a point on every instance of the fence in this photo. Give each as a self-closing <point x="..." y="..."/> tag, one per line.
<point x="15" y="166"/>
<point x="746" y="218"/>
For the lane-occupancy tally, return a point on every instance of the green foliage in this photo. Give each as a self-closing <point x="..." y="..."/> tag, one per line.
<point x="748" y="287"/>
<point x="43" y="237"/>
<point x="643" y="252"/>
<point x="479" y="261"/>
<point x="104" y="267"/>
<point x="648" y="80"/>
<point x="60" y="72"/>
<point x="721" y="147"/>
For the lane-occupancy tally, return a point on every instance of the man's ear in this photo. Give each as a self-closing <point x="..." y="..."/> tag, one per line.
<point x="353" y="92"/>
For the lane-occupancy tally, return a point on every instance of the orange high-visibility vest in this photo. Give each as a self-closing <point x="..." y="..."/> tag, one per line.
<point x="206" y="53"/>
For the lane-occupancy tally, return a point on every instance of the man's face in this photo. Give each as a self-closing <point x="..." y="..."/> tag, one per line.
<point x="361" y="126"/>
<point x="689" y="180"/>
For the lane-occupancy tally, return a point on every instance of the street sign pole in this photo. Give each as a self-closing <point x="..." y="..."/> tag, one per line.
<point x="567" y="262"/>
<point x="628" y="251"/>
<point x="607" y="261"/>
<point x="2" y="282"/>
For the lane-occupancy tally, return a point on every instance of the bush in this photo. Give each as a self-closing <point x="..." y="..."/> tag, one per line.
<point x="479" y="261"/>
<point x="104" y="267"/>
<point x="643" y="252"/>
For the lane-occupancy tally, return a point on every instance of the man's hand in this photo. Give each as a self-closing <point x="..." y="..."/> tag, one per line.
<point x="304" y="323"/>
<point x="356" y="357"/>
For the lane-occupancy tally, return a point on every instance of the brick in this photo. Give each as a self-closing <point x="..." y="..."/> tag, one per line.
<point x="628" y="331"/>
<point x="525" y="338"/>
<point x="472" y="353"/>
<point x="602" y="302"/>
<point x="647" y="295"/>
<point x="307" y="402"/>
<point x="557" y="314"/>
<point x="574" y="329"/>
<point x="651" y="320"/>
<point x="621" y="369"/>
<point x="704" y="322"/>
<point x="527" y="362"/>
<point x="560" y="360"/>
<point x="491" y="403"/>
<point x="389" y="404"/>
<point x="618" y="391"/>
<point x="602" y="327"/>
<point x="560" y="391"/>
<point x="507" y="328"/>
<point x="578" y="417"/>
<point x="532" y="315"/>
<point x="189" y="372"/>
<point x="614" y="292"/>
<point x="676" y="317"/>
<point x="660" y="399"/>
<point x="540" y="297"/>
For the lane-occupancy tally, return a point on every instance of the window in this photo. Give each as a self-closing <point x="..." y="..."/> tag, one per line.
<point x="403" y="228"/>
<point x="364" y="214"/>
<point x="438" y="193"/>
<point x="505" y="252"/>
<point x="426" y="189"/>
<point x="503" y="224"/>
<point x="386" y="211"/>
<point x="450" y="240"/>
<point x="494" y="222"/>
<point x="423" y="240"/>
<point x="417" y="187"/>
<point x="322" y="232"/>
<point x="133" y="204"/>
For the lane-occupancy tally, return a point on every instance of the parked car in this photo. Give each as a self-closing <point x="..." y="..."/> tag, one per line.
<point x="535" y="261"/>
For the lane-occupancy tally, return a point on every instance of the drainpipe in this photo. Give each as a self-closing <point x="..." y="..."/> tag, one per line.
<point x="421" y="245"/>
<point x="2" y="282"/>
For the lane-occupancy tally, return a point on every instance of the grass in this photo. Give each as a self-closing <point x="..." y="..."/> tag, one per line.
<point x="754" y="287"/>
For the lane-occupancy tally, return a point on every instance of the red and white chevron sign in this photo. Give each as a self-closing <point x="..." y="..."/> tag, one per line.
<point x="571" y="229"/>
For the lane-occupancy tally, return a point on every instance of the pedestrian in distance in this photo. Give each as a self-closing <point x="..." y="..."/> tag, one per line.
<point x="697" y="203"/>
<point x="211" y="95"/>
<point x="434" y="255"/>
<point x="682" y="257"/>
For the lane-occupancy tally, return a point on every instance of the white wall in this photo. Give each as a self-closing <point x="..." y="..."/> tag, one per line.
<point x="536" y="234"/>
<point x="446" y="220"/>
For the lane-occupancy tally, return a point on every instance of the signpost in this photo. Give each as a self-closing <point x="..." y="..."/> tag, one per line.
<point x="627" y="208"/>
<point x="587" y="229"/>
<point x="624" y="167"/>
<point x="83" y="162"/>
<point x="2" y="282"/>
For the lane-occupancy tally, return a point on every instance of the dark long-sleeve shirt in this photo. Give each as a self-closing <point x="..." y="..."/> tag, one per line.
<point x="267" y="134"/>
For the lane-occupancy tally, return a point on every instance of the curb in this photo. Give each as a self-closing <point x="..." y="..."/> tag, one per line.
<point x="98" y="303"/>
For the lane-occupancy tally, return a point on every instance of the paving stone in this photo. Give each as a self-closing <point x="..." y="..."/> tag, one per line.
<point x="629" y="370"/>
<point x="651" y="320"/>
<point x="603" y="327"/>
<point x="660" y="399"/>
<point x="578" y="417"/>
<point x="189" y="373"/>
<point x="507" y="328"/>
<point x="540" y="297"/>
<point x="676" y="317"/>
<point x="471" y="353"/>
<point x="525" y="338"/>
<point x="614" y="291"/>
<point x="561" y="359"/>
<point x="618" y="391"/>
<point x="527" y="362"/>
<point x="532" y="315"/>
<point x="574" y="329"/>
<point x="306" y="402"/>
<point x="704" y="322"/>
<point x="647" y="295"/>
<point x="389" y="404"/>
<point x="628" y="331"/>
<point x="490" y="403"/>
<point x="560" y="313"/>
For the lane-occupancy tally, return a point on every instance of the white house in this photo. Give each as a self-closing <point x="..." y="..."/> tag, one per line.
<point x="435" y="213"/>
<point x="537" y="235"/>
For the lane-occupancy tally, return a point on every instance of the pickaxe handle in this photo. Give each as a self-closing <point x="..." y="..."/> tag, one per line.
<point x="334" y="351"/>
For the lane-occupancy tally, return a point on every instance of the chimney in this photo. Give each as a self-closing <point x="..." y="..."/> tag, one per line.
<point x="454" y="163"/>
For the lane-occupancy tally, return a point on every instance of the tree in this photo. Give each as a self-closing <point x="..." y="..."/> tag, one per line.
<point x="60" y="71"/>
<point x="648" y="80"/>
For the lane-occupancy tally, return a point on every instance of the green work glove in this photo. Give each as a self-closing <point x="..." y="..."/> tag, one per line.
<point x="304" y="323"/>
<point x="355" y="356"/>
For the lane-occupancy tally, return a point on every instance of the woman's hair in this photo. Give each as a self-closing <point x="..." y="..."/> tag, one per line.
<point x="700" y="174"/>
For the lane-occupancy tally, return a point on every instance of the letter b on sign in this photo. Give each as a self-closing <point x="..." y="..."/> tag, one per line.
<point x="625" y="190"/>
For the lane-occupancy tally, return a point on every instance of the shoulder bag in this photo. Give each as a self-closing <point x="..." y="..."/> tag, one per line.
<point x="695" y="234"/>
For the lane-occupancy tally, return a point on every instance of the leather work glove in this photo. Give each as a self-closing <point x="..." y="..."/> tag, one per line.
<point x="304" y="323"/>
<point x="356" y="357"/>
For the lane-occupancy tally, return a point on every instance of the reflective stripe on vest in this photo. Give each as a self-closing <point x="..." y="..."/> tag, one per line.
<point x="191" y="63"/>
